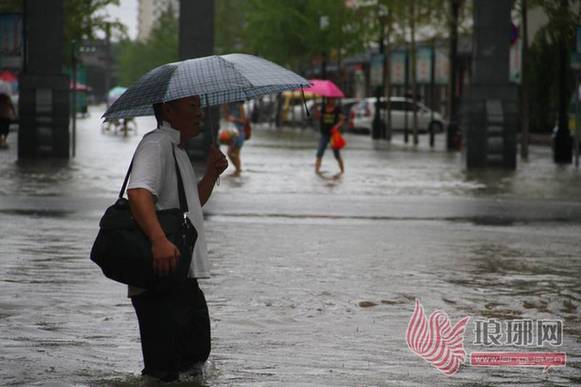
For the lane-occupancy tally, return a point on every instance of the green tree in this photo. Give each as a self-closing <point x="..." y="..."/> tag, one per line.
<point x="551" y="80"/>
<point x="84" y="18"/>
<point x="294" y="32"/>
<point x="229" y="25"/>
<point x="11" y="6"/>
<point x="137" y="58"/>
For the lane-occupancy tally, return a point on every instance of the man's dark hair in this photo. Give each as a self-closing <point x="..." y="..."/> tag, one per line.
<point x="158" y="113"/>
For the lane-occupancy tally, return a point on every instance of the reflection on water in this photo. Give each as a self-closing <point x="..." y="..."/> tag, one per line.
<point x="314" y="279"/>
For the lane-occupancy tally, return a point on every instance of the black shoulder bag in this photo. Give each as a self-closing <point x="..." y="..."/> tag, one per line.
<point x="123" y="251"/>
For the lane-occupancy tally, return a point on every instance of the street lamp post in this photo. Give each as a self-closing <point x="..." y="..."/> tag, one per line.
<point x="378" y="125"/>
<point x="452" y="130"/>
<point x="74" y="63"/>
<point x="563" y="142"/>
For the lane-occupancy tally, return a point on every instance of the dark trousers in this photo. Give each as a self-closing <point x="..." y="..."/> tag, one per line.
<point x="5" y="126"/>
<point x="174" y="328"/>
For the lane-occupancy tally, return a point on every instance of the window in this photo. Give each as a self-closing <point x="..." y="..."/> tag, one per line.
<point x="409" y="106"/>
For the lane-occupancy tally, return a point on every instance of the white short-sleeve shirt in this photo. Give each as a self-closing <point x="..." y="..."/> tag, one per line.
<point x="154" y="170"/>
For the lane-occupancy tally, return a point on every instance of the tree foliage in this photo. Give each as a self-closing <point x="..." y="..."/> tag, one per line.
<point x="84" y="19"/>
<point x="293" y="32"/>
<point x="137" y="58"/>
<point x="229" y="24"/>
<point x="543" y="62"/>
<point x="10" y="6"/>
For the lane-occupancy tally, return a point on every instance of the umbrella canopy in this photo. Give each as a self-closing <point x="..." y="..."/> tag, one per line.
<point x="324" y="88"/>
<point x="218" y="79"/>
<point x="115" y="93"/>
<point x="8" y="76"/>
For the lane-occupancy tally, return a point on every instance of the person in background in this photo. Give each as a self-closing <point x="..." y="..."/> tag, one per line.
<point x="234" y="113"/>
<point x="7" y="116"/>
<point x="330" y="116"/>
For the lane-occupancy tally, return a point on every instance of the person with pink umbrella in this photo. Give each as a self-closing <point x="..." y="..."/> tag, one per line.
<point x="7" y="116"/>
<point x="330" y="116"/>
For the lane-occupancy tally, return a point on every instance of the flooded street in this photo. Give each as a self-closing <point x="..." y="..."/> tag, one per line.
<point x="314" y="278"/>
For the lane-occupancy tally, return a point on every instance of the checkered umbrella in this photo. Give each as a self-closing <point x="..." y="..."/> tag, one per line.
<point x="216" y="79"/>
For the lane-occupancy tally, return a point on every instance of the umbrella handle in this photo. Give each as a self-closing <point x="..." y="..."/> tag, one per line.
<point x="305" y="102"/>
<point x="211" y="122"/>
<point x="208" y="113"/>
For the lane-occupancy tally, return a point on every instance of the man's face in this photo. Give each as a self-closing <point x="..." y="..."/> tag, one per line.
<point x="185" y="115"/>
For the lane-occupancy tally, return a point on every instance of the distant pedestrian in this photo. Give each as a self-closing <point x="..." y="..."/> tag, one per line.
<point x="330" y="117"/>
<point x="7" y="116"/>
<point x="235" y="114"/>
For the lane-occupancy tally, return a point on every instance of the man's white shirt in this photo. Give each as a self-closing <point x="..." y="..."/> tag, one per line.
<point x="154" y="170"/>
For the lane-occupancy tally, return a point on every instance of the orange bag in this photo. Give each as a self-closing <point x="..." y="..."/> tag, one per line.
<point x="337" y="141"/>
<point x="227" y="135"/>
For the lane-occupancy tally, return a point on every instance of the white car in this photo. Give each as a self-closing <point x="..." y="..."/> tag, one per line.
<point x="362" y="113"/>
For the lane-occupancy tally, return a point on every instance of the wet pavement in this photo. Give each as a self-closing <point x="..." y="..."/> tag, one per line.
<point x="314" y="277"/>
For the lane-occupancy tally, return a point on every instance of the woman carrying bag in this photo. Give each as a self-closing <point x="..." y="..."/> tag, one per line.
<point x="7" y="116"/>
<point x="234" y="113"/>
<point x="331" y="120"/>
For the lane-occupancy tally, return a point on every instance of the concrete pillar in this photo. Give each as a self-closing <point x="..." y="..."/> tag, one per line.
<point x="197" y="40"/>
<point x="489" y="112"/>
<point x="44" y="89"/>
<point x="196" y="28"/>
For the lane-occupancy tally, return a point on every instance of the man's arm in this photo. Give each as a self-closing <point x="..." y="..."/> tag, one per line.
<point x="205" y="187"/>
<point x="341" y="121"/>
<point x="165" y="253"/>
<point x="216" y="164"/>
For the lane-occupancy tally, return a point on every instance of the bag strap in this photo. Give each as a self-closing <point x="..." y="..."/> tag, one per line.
<point x="181" y="191"/>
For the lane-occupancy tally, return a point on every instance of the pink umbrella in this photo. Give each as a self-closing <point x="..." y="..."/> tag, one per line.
<point x="324" y="88"/>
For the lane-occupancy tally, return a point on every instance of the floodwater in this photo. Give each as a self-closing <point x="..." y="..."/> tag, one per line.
<point x="314" y="278"/>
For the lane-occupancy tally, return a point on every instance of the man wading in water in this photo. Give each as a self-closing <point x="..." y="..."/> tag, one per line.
<point x="174" y="326"/>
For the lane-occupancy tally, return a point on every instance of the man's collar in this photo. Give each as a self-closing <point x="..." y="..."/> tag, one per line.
<point x="174" y="134"/>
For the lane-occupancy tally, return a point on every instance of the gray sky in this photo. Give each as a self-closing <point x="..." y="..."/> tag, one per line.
<point x="126" y="13"/>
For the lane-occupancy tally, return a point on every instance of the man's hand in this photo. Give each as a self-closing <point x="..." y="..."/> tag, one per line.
<point x="215" y="165"/>
<point x="165" y="253"/>
<point x="217" y="162"/>
<point x="165" y="256"/>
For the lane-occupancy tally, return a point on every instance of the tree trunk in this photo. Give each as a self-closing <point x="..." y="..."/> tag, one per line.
<point x="563" y="143"/>
<point x="388" y="79"/>
<point x="413" y="69"/>
<point x="452" y="132"/>
<point x="563" y="78"/>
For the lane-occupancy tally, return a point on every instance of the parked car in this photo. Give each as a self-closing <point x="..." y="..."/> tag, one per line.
<point x="363" y="112"/>
<point x="346" y="104"/>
